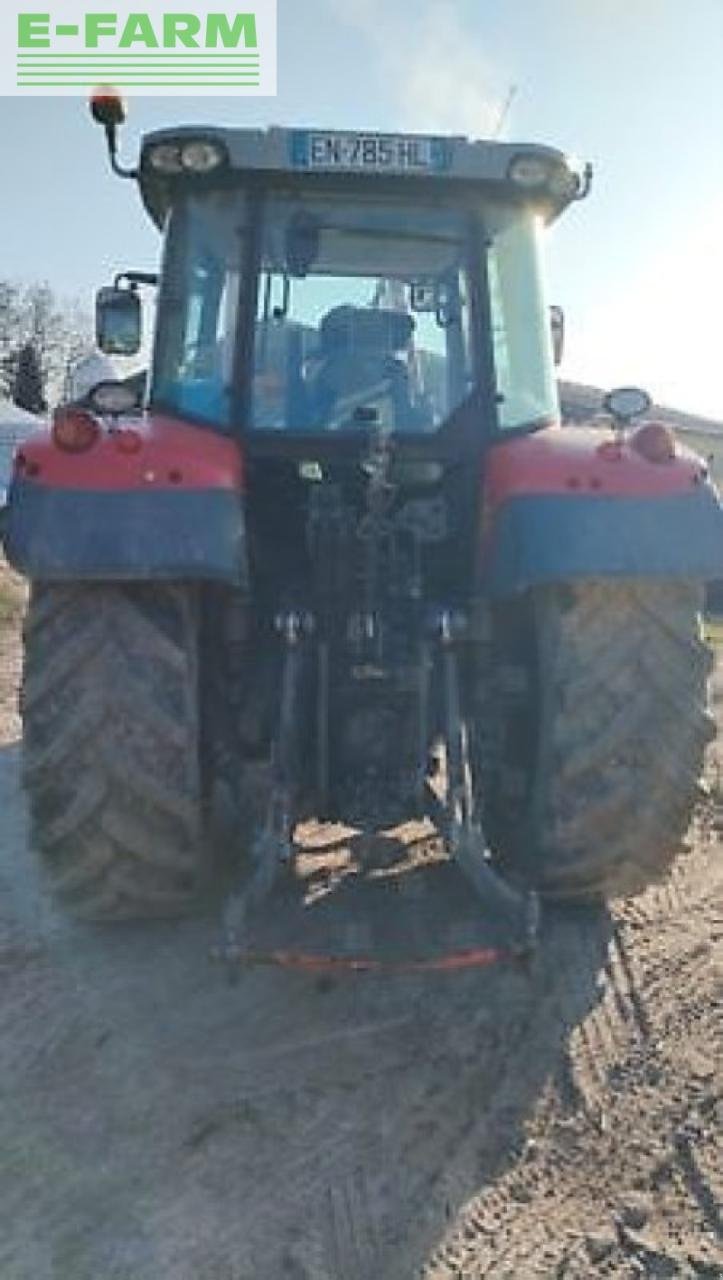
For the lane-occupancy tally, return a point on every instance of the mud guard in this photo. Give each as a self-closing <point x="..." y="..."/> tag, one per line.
<point x="569" y="503"/>
<point x="548" y="537"/>
<point x="59" y="534"/>
<point x="169" y="507"/>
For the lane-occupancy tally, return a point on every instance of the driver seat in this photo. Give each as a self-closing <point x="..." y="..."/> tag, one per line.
<point x="360" y="367"/>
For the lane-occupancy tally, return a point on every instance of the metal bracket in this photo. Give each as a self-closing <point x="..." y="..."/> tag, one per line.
<point x="273" y="849"/>
<point x="455" y="817"/>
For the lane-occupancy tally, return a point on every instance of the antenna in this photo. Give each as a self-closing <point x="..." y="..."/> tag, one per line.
<point x="504" y="110"/>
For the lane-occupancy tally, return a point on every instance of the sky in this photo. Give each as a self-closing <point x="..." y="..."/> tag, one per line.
<point x="635" y="86"/>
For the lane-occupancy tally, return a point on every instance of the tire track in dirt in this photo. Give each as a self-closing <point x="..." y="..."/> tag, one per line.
<point x="489" y="1244"/>
<point x="491" y="1240"/>
<point x="354" y="1246"/>
<point x="415" y="1119"/>
<point x="692" y="884"/>
<point x="427" y="1128"/>
<point x="483" y="1235"/>
<point x="701" y="1171"/>
<point x="352" y="1213"/>
<point x="623" y="1020"/>
<point x="319" y="1166"/>
<point x="616" y="1025"/>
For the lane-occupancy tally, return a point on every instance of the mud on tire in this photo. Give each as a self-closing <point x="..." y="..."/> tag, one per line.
<point x="614" y="688"/>
<point x="110" y="709"/>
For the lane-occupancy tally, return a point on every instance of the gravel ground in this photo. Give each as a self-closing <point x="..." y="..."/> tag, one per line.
<point x="159" y="1124"/>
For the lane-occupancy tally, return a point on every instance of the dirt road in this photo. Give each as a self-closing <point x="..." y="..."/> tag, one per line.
<point x="157" y="1124"/>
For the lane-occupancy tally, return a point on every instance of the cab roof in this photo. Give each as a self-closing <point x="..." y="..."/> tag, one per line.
<point x="525" y="171"/>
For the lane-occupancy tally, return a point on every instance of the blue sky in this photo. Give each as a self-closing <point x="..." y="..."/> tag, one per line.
<point x="633" y="85"/>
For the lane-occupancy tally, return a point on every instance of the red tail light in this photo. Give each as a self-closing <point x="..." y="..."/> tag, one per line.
<point x="655" y="442"/>
<point x="74" y="430"/>
<point x="128" y="441"/>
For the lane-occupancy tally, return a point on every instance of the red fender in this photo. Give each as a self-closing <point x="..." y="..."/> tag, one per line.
<point x="575" y="502"/>
<point x="152" y="497"/>
<point x="580" y="460"/>
<point x="150" y="452"/>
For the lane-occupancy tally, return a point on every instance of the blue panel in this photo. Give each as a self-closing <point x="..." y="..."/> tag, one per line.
<point x="60" y="534"/>
<point x="550" y="537"/>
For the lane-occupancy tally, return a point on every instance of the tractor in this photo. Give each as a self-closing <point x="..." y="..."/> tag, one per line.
<point x="336" y="554"/>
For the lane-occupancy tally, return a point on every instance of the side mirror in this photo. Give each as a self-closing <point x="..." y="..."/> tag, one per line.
<point x="118" y="327"/>
<point x="557" y="326"/>
<point x="626" y="403"/>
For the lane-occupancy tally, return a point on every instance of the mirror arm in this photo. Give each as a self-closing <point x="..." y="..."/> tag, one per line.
<point x="584" y="183"/>
<point x="136" y="277"/>
<point x="111" y="135"/>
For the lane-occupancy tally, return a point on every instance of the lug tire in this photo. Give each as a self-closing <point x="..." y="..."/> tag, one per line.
<point x="620" y="730"/>
<point x="110" y="708"/>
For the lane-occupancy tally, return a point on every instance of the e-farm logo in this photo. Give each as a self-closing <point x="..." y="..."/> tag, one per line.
<point x="161" y="50"/>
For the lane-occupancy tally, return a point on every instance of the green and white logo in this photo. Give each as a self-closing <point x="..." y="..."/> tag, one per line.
<point x="162" y="49"/>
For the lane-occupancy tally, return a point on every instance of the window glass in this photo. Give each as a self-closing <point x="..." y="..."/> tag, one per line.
<point x="194" y="368"/>
<point x="521" y="334"/>
<point x="363" y="316"/>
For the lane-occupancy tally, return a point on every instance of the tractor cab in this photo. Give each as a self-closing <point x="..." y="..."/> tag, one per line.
<point x="319" y="284"/>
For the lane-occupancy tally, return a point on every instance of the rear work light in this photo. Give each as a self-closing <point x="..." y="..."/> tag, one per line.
<point x="654" y="441"/>
<point x="166" y="158"/>
<point x="202" y="157"/>
<point x="195" y="156"/>
<point x="550" y="175"/>
<point x="529" y="171"/>
<point x="74" y="430"/>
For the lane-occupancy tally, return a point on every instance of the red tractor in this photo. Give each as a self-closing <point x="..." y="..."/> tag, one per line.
<point x="341" y="554"/>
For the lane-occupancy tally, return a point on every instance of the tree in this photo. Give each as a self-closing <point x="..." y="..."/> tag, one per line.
<point x="27" y="392"/>
<point x="10" y="308"/>
<point x="59" y="332"/>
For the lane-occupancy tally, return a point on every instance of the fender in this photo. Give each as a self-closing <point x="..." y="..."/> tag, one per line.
<point x="572" y="502"/>
<point x="154" y="497"/>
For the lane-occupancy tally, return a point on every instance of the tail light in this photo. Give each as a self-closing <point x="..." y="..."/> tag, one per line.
<point x="74" y="430"/>
<point x="654" y="441"/>
<point x="127" y="440"/>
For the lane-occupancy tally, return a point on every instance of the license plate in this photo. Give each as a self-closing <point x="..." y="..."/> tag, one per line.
<point x="368" y="152"/>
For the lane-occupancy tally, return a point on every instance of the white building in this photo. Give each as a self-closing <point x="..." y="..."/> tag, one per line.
<point x="16" y="426"/>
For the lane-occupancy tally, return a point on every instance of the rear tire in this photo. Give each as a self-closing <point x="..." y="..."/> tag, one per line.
<point x="616" y="698"/>
<point x="110" y="706"/>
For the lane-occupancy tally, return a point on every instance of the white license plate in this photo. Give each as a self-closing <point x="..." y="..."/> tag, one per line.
<point x="377" y="152"/>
